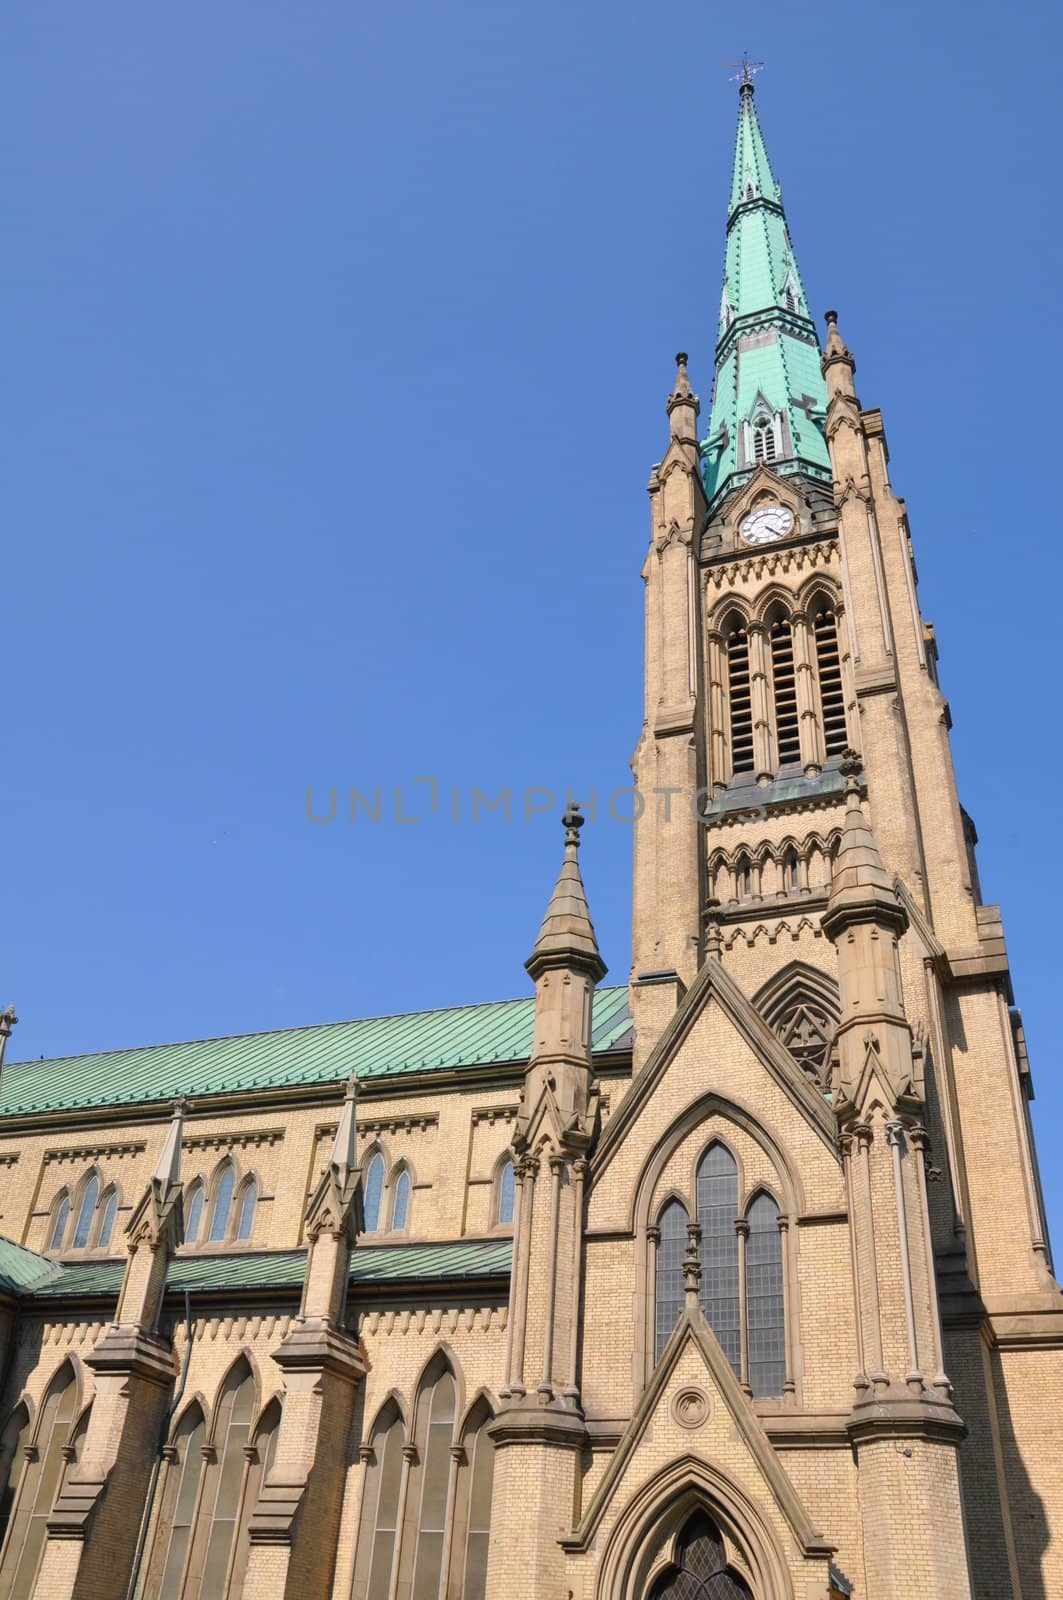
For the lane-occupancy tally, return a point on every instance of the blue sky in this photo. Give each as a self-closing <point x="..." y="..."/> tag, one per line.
<point x="337" y="341"/>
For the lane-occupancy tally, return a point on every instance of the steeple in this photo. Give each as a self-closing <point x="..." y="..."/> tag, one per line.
<point x="770" y="401"/>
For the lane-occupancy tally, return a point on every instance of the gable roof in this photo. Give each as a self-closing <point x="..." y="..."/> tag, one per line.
<point x="22" y="1269"/>
<point x="453" y="1039"/>
<point x="372" y="1266"/>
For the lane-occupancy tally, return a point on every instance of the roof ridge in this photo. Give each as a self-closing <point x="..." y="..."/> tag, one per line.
<point x="297" y="1027"/>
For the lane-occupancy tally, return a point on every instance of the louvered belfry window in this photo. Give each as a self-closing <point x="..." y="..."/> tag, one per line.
<point x="741" y="700"/>
<point x="831" y="695"/>
<point x="764" y="440"/>
<point x="784" y="684"/>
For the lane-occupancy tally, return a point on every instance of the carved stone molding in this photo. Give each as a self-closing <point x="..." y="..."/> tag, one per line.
<point x="691" y="1407"/>
<point x="242" y="1139"/>
<point x="92" y="1152"/>
<point x="493" y="1114"/>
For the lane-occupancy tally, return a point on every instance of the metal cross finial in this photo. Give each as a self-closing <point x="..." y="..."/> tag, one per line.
<point x="746" y="70"/>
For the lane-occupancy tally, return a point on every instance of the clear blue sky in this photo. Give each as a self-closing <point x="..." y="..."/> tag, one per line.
<point x="336" y="345"/>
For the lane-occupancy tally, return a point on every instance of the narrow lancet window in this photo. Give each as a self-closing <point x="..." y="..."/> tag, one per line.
<point x="764" y="1298"/>
<point x="717" y="1188"/>
<point x="671" y="1247"/>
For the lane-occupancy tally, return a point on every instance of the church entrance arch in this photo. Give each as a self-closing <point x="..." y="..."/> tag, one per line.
<point x="700" y="1570"/>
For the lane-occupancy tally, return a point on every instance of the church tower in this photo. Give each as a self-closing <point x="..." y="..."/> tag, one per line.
<point x="800" y="832"/>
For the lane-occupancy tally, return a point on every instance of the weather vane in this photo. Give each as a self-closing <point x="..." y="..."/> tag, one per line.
<point x="746" y="70"/>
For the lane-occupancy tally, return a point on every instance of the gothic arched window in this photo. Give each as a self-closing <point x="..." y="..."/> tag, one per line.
<point x="193" y="1212"/>
<point x="184" y="1466"/>
<point x="38" y="1485"/>
<point x="472" y="1525"/>
<point x="400" y="1205"/>
<point x="701" y="1571"/>
<point x="717" y="1192"/>
<point x="224" y="1184"/>
<point x="259" y="1460"/>
<point x="764" y="438"/>
<point x="13" y="1441"/>
<point x="62" y="1217"/>
<point x="373" y="1193"/>
<point x="380" y="1505"/>
<point x="222" y="1489"/>
<point x="784" y="689"/>
<point x="829" y="673"/>
<point x="108" y="1213"/>
<point x="789" y="871"/>
<point x="507" y="1188"/>
<point x="245" y="1220"/>
<point x="87" y="1210"/>
<point x="743" y="877"/>
<point x="765" y="1320"/>
<point x="671" y="1247"/>
<point x="434" y="1437"/>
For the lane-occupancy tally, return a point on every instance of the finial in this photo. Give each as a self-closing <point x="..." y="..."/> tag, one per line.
<point x="573" y="821"/>
<point x="745" y="74"/>
<point x="351" y="1091"/>
<point x="831" y="318"/>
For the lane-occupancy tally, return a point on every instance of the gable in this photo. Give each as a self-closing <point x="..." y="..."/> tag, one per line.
<point x="695" y="1439"/>
<point x="717" y="1054"/>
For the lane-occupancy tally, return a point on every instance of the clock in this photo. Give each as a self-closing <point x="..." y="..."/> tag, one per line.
<point x="766" y="523"/>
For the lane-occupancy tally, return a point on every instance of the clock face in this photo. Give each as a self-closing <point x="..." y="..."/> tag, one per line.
<point x="766" y="523"/>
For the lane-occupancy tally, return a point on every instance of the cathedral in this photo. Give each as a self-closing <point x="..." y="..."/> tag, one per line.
<point x="729" y="1282"/>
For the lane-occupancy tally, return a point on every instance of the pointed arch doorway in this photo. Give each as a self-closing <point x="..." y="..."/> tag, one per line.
<point x="700" y="1570"/>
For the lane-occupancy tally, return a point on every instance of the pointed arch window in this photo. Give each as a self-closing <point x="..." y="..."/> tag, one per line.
<point x="436" y="1435"/>
<point x="765" y="1319"/>
<point x="380" y="1506"/>
<point x="831" y="692"/>
<point x="507" y="1195"/>
<point x="740" y="699"/>
<point x="473" y="1509"/>
<point x="743" y="877"/>
<point x="400" y="1205"/>
<point x="86" y="1212"/>
<point x="108" y="1213"/>
<point x="700" y="1570"/>
<point x="260" y="1456"/>
<point x="62" y="1217"/>
<point x="789" y="871"/>
<point x="373" y="1193"/>
<point x="38" y="1486"/>
<point x="220" y="1498"/>
<point x="245" y="1223"/>
<point x="671" y="1247"/>
<point x="194" y="1213"/>
<point x="717" y="1195"/>
<point x="13" y="1441"/>
<point x="223" y="1200"/>
<point x="784" y="689"/>
<point x="184" y="1467"/>
<point x="764" y="441"/>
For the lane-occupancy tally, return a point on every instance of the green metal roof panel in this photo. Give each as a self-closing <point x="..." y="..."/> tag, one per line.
<point x="281" y="1269"/>
<point x="20" y="1268"/>
<point x="446" y="1040"/>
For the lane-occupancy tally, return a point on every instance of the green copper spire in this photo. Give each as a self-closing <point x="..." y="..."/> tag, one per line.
<point x="769" y="401"/>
